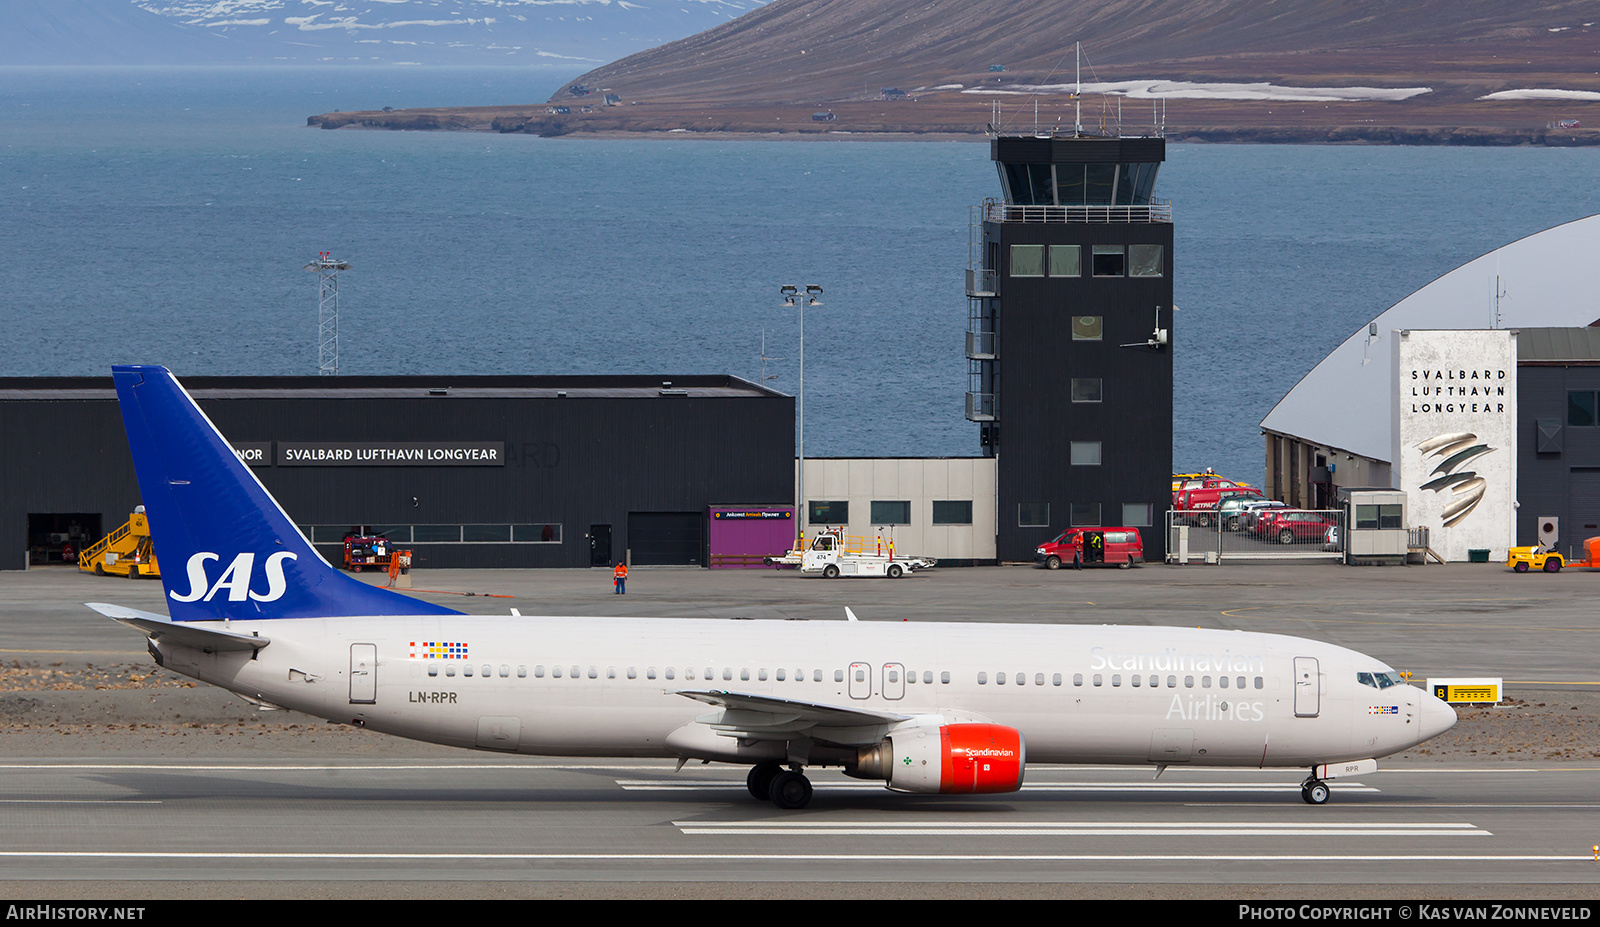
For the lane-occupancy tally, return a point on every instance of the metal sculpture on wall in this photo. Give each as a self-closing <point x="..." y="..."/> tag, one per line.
<point x="1466" y="486"/>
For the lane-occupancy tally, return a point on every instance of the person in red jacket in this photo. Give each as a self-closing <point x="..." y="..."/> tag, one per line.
<point x="619" y="578"/>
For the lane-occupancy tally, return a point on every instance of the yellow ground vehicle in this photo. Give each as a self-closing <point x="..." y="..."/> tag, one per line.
<point x="1522" y="559"/>
<point x="126" y="551"/>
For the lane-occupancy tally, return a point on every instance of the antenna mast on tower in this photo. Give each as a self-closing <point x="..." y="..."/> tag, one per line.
<point x="327" y="270"/>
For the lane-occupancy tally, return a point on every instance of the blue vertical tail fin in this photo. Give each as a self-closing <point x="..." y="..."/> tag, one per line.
<point x="227" y="549"/>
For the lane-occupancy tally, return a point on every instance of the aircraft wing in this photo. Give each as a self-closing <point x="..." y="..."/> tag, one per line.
<point x="189" y="634"/>
<point x="763" y="717"/>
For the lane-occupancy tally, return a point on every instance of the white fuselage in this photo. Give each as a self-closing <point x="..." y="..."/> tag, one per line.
<point x="601" y="686"/>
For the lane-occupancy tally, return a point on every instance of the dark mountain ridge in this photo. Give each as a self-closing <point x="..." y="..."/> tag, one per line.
<point x="819" y="50"/>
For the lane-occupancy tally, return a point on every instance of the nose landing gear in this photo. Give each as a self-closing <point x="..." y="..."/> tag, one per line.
<point x="1314" y="791"/>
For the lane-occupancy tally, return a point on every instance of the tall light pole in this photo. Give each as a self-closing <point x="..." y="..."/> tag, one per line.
<point x="793" y="300"/>
<point x="327" y="270"/>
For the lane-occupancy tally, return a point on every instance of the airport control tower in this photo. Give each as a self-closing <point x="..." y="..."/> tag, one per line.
<point x="1069" y="338"/>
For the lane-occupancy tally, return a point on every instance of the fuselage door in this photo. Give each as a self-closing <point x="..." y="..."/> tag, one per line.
<point x="861" y="680"/>
<point x="1307" y="687"/>
<point x="894" y="680"/>
<point x="363" y="674"/>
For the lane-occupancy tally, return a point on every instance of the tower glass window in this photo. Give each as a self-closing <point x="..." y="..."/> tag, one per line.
<point x="1085" y="514"/>
<point x="1066" y="260"/>
<point x="1027" y="260"/>
<point x="1108" y="260"/>
<point x="1088" y="327"/>
<point x="1145" y="261"/>
<point x="1033" y="514"/>
<point x="1086" y="453"/>
<point x="1086" y="389"/>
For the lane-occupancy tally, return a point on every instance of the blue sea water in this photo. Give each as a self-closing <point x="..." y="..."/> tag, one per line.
<point x="151" y="216"/>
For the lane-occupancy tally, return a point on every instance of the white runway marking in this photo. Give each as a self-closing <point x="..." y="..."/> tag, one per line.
<point x="209" y="855"/>
<point x="79" y="801"/>
<point x="691" y="785"/>
<point x="1077" y="829"/>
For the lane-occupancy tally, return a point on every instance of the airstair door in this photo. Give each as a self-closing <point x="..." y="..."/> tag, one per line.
<point x="363" y="674"/>
<point x="1307" y="687"/>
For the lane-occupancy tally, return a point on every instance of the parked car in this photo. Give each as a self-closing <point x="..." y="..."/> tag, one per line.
<point x="1287" y="526"/>
<point x="1121" y="546"/>
<point x="1204" y="494"/>
<point x="1231" y="510"/>
<point x="1250" y="512"/>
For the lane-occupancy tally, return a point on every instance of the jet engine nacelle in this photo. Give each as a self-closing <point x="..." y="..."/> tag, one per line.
<point x="960" y="759"/>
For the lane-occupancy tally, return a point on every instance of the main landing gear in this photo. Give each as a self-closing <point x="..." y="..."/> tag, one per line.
<point x="789" y="789"/>
<point x="1314" y="791"/>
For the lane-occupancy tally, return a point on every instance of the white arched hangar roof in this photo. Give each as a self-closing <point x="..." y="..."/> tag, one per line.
<point x="1550" y="280"/>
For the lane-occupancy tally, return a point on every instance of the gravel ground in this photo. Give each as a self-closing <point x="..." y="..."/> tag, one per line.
<point x="63" y="708"/>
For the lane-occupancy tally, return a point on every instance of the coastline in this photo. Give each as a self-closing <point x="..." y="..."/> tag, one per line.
<point x="535" y="121"/>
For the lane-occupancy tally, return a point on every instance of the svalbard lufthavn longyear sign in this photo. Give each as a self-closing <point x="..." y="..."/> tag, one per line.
<point x="392" y="454"/>
<point x="1455" y="437"/>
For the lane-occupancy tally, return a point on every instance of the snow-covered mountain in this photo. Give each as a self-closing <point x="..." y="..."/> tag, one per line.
<point x="463" y="32"/>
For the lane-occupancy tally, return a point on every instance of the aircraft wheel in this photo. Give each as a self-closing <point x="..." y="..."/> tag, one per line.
<point x="759" y="782"/>
<point x="1553" y="565"/>
<point x="831" y="571"/>
<point x="1052" y="562"/>
<point x="791" y="790"/>
<point x="1521" y="568"/>
<point x="1315" y="792"/>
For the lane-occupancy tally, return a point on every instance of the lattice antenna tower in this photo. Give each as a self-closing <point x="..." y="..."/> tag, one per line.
<point x="327" y="270"/>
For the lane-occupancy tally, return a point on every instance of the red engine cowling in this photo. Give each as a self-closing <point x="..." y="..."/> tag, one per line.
<point x="958" y="759"/>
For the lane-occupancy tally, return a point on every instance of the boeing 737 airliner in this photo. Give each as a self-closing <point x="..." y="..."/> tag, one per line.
<point x="925" y="707"/>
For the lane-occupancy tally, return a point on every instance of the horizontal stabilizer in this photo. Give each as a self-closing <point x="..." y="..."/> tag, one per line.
<point x="191" y="634"/>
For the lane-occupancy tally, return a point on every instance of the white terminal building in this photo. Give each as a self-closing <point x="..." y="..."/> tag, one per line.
<point x="1476" y="395"/>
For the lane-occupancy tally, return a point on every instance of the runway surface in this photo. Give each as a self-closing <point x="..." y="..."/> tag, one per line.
<point x="181" y="807"/>
<point x="330" y="819"/>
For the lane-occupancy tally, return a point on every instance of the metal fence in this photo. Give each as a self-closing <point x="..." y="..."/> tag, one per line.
<point x="1209" y="536"/>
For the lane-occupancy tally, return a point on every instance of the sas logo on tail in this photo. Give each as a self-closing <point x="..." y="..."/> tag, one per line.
<point x="236" y="578"/>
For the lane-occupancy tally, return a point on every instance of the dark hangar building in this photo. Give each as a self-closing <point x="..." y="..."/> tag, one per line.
<point x="482" y="471"/>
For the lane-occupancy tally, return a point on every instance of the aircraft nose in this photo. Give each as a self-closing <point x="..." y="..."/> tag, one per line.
<point x="1435" y="717"/>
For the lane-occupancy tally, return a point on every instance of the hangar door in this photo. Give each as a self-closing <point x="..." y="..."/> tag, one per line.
<point x="666" y="537"/>
<point x="1583" y="497"/>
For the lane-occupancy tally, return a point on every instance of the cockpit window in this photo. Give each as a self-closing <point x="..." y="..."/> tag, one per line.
<point x="1379" y="680"/>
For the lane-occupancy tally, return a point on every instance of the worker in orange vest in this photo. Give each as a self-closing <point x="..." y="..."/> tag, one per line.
<point x="619" y="578"/>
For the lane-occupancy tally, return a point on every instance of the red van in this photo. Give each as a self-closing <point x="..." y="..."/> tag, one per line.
<point x="1093" y="546"/>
